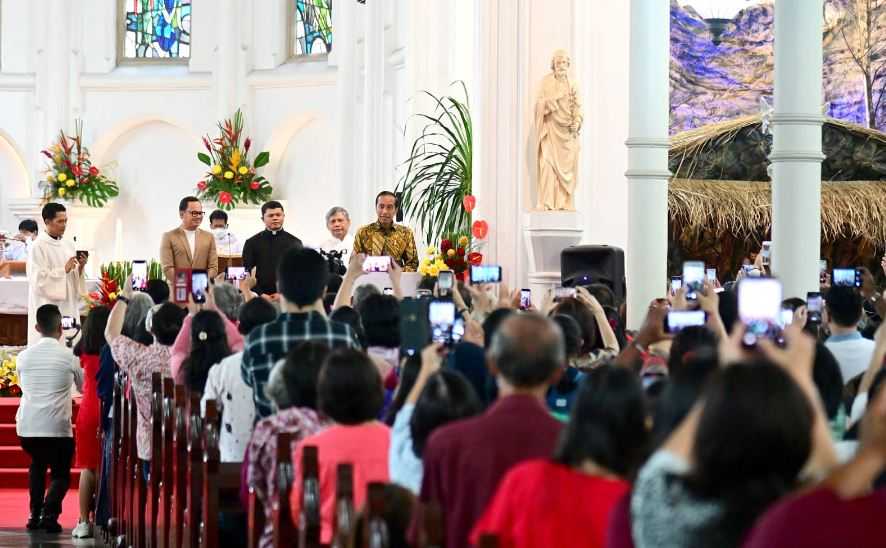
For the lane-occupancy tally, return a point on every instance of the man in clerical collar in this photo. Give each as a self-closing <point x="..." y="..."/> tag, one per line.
<point x="264" y="250"/>
<point x="383" y="237"/>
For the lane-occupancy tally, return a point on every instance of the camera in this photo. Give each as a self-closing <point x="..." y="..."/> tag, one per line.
<point x="335" y="262"/>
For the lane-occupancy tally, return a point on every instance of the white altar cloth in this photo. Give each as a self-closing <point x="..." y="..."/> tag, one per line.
<point x="14" y="294"/>
<point x="408" y="282"/>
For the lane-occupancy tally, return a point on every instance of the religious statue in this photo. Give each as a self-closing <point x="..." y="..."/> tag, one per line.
<point x="558" y="120"/>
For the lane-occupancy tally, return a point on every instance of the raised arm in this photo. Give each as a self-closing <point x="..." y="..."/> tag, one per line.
<point x="355" y="270"/>
<point x="115" y="321"/>
<point x="610" y="341"/>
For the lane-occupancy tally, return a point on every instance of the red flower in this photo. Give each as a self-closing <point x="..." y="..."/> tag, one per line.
<point x="76" y="170"/>
<point x="475" y="258"/>
<point x="201" y="185"/>
<point x="460" y="252"/>
<point x="224" y="197"/>
<point x="247" y="143"/>
<point x="254" y="185"/>
<point x="445" y="246"/>
<point x="93" y="171"/>
<point x="206" y="144"/>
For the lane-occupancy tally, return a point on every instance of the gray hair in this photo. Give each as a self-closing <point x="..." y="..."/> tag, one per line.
<point x="137" y="311"/>
<point x="275" y="388"/>
<point x="335" y="211"/>
<point x="360" y="294"/>
<point x="527" y="349"/>
<point x="227" y="300"/>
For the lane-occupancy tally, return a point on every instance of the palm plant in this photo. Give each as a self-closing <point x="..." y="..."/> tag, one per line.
<point x="438" y="170"/>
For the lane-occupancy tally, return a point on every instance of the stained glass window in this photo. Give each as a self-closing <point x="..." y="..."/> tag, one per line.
<point x="157" y="29"/>
<point x="312" y="27"/>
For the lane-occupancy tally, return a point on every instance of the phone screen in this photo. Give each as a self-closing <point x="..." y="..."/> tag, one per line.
<point x="199" y="285"/>
<point x="766" y="252"/>
<point x="388" y="291"/>
<point x="563" y="293"/>
<point x="235" y="273"/>
<point x="711" y="274"/>
<point x="676" y="284"/>
<point x="822" y="266"/>
<point x="814" y="304"/>
<point x="441" y="318"/>
<point x="759" y="308"/>
<point x="844" y="276"/>
<point x="786" y="318"/>
<point x="377" y="263"/>
<point x="677" y="320"/>
<point x="485" y="274"/>
<point x="445" y="280"/>
<point x="139" y="275"/>
<point x="525" y="299"/>
<point x="693" y="278"/>
<point x="67" y="322"/>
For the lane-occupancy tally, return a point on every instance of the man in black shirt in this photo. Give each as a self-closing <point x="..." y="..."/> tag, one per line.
<point x="264" y="250"/>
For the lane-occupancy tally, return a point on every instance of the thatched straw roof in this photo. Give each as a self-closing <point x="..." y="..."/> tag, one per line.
<point x="721" y="186"/>
<point x="742" y="208"/>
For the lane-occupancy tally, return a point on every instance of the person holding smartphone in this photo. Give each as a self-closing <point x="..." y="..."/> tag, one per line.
<point x="55" y="271"/>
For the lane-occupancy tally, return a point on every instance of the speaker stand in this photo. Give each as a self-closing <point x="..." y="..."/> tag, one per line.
<point x="547" y="233"/>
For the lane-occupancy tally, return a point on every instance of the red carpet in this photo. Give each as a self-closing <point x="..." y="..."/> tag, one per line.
<point x="14" y="509"/>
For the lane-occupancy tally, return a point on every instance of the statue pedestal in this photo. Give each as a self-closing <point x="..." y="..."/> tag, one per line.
<point x="547" y="233"/>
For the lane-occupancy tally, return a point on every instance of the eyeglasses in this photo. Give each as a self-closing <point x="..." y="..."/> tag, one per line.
<point x="196" y="213"/>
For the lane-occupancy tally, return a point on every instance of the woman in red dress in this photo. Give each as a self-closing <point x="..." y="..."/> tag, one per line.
<point x="86" y="433"/>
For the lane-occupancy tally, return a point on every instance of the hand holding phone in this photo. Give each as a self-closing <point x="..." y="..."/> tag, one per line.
<point x="199" y="285"/>
<point x="693" y="278"/>
<point x="445" y="281"/>
<point x="376" y="263"/>
<point x="139" y="275"/>
<point x="525" y="299"/>
<point x="759" y="308"/>
<point x="485" y="274"/>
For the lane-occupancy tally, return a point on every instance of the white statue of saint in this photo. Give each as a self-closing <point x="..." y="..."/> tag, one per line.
<point x="558" y="120"/>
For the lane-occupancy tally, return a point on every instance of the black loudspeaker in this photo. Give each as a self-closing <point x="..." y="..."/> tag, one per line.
<point x="587" y="264"/>
<point x="399" y="217"/>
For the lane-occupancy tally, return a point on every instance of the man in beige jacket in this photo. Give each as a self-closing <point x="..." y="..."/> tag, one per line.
<point x="188" y="246"/>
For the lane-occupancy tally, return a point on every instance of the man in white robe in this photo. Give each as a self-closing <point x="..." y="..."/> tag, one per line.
<point x="55" y="273"/>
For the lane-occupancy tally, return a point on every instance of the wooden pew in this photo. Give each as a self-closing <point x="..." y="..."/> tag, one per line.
<point x="281" y="512"/>
<point x="138" y="497"/>
<point x="375" y="524"/>
<point x="195" y="472"/>
<point x="166" y="483"/>
<point x="179" y="467"/>
<point x="156" y="457"/>
<point x="255" y="519"/>
<point x="487" y="540"/>
<point x="115" y="487"/>
<point x="345" y="514"/>
<point x="432" y="533"/>
<point x="309" y="523"/>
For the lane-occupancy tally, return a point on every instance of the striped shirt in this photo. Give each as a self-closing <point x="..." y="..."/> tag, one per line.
<point x="270" y="343"/>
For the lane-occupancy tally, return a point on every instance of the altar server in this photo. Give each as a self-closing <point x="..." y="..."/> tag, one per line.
<point x="55" y="270"/>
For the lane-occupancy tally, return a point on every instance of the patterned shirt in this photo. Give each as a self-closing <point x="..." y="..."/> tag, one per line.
<point x="396" y="241"/>
<point x="261" y="454"/>
<point x="271" y="342"/>
<point x="140" y="362"/>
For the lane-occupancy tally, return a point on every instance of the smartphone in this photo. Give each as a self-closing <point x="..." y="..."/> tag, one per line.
<point x="814" y="304"/>
<point x="766" y="252"/>
<point x="235" y="273"/>
<point x="759" y="308"/>
<point x="786" y="317"/>
<point x="139" y="275"/>
<point x="82" y="253"/>
<point x="441" y="320"/>
<point x="376" y="263"/>
<point x="693" y="278"/>
<point x="525" y="299"/>
<point x="422" y="293"/>
<point x="561" y="293"/>
<point x="445" y="281"/>
<point x="822" y="266"/>
<point x="67" y="322"/>
<point x="846" y="276"/>
<point x="199" y="285"/>
<point x="458" y="330"/>
<point x="181" y="286"/>
<point x="676" y="284"/>
<point x="414" y="329"/>
<point x="677" y="320"/>
<point x="485" y="274"/>
<point x="388" y="291"/>
<point x="711" y="275"/>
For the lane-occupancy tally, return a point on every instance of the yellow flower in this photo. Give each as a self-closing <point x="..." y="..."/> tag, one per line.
<point x="450" y="253"/>
<point x="235" y="158"/>
<point x="112" y="296"/>
<point x="243" y="170"/>
<point x="62" y="177"/>
<point x="441" y="265"/>
<point x="425" y="262"/>
<point x="433" y="271"/>
<point x="431" y="250"/>
<point x="70" y="183"/>
<point x="61" y="191"/>
<point x="463" y="241"/>
<point x="216" y="169"/>
<point x="229" y="174"/>
<point x="50" y="177"/>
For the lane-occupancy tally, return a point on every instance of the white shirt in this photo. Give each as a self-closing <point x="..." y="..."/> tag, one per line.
<point x="227" y="244"/>
<point x="191" y="235"/>
<point x="345" y="245"/>
<point x="46" y="372"/>
<point x="234" y="398"/>
<point x="853" y="353"/>
<point x="48" y="283"/>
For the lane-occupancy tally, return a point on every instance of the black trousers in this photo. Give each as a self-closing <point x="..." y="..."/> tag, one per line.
<point x="55" y="454"/>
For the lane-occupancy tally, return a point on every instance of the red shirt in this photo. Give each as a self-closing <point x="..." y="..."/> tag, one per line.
<point x="465" y="461"/>
<point x="542" y="504"/>
<point x="821" y="518"/>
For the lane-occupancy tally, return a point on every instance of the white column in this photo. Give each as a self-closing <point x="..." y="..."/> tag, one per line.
<point x="373" y="107"/>
<point x="345" y="47"/>
<point x="796" y="148"/>
<point x="647" y="144"/>
<point x="226" y="59"/>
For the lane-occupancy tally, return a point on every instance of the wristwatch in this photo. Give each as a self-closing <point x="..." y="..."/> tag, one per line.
<point x="123" y="298"/>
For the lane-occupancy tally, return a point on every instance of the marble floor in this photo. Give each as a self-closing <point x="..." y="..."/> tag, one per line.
<point x="21" y="538"/>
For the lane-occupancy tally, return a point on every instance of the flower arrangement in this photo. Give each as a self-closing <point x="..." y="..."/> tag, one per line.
<point x="70" y="174"/>
<point x="231" y="178"/>
<point x="113" y="276"/>
<point x="8" y="376"/>
<point x="450" y="256"/>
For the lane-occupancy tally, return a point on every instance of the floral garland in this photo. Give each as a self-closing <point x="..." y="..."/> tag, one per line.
<point x="8" y="376"/>
<point x="113" y="276"/>
<point x="231" y="179"/>
<point x="449" y="256"/>
<point x="71" y="175"/>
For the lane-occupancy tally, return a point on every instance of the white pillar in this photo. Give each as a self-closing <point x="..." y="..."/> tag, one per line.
<point x="345" y="47"/>
<point x="226" y="59"/>
<point x="373" y="107"/>
<point x="647" y="144"/>
<point x="796" y="148"/>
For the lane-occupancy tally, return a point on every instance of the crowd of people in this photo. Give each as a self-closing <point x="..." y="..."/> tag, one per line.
<point x="547" y="427"/>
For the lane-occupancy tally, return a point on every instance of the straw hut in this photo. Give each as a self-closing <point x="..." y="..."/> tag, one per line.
<point x="719" y="198"/>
